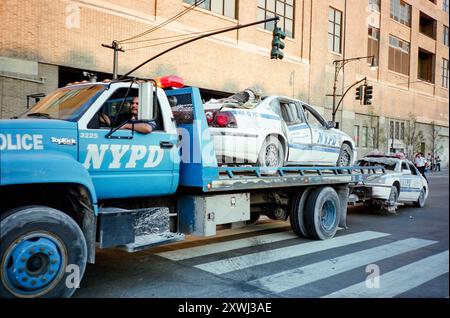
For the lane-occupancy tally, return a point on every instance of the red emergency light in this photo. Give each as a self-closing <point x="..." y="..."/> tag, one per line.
<point x="170" y="81"/>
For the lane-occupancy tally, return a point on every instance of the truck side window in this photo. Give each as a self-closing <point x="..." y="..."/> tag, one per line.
<point x="111" y="110"/>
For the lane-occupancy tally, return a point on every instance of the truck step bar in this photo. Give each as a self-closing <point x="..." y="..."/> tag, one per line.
<point x="152" y="240"/>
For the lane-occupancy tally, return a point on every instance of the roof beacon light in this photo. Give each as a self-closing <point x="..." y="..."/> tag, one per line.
<point x="170" y="81"/>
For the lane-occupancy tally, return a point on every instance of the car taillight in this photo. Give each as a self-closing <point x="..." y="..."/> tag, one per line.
<point x="226" y="119"/>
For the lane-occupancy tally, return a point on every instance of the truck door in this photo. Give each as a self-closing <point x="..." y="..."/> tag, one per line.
<point x="126" y="164"/>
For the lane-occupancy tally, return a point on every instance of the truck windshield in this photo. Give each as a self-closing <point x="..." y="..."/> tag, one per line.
<point x="67" y="103"/>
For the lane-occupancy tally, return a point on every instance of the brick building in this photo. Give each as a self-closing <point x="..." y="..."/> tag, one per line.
<point x="46" y="44"/>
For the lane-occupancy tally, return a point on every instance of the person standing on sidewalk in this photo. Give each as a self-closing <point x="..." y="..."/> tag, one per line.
<point x="438" y="164"/>
<point x="421" y="163"/>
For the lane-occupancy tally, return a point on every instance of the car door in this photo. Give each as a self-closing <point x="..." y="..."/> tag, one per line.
<point x="416" y="183"/>
<point x="324" y="147"/>
<point x="126" y="164"/>
<point x="406" y="182"/>
<point x="299" y="133"/>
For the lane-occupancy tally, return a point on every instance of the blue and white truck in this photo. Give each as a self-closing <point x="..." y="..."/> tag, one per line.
<point x="71" y="184"/>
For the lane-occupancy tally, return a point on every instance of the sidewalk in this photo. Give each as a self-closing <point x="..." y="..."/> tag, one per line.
<point x="443" y="172"/>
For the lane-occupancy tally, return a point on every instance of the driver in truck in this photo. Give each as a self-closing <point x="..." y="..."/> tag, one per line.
<point x="141" y="127"/>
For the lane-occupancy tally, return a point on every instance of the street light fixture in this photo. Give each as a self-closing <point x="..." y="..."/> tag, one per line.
<point x="338" y="66"/>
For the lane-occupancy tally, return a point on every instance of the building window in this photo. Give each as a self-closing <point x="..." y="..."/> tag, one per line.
<point x="426" y="66"/>
<point x="401" y="12"/>
<point x="445" y="40"/>
<point x="373" y="44"/>
<point x="398" y="55"/>
<point x="427" y="25"/>
<point x="397" y="130"/>
<point x="445" y="73"/>
<point x="223" y="7"/>
<point x="334" y="30"/>
<point x="364" y="140"/>
<point x="391" y="130"/>
<point x="445" y="6"/>
<point x="284" y="9"/>
<point x="374" y="5"/>
<point x="402" y="131"/>
<point x="374" y="137"/>
<point x="356" y="135"/>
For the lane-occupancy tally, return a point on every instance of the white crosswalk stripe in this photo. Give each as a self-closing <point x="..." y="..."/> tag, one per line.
<point x="213" y="248"/>
<point x="314" y="272"/>
<point x="400" y="280"/>
<point x="264" y="257"/>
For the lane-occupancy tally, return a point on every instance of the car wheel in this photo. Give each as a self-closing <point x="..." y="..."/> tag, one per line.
<point x="271" y="154"/>
<point x="421" y="200"/>
<point x="393" y="198"/>
<point x="345" y="156"/>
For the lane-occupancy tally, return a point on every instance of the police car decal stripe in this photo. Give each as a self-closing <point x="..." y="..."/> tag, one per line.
<point x="298" y="127"/>
<point x="315" y="148"/>
<point x="253" y="114"/>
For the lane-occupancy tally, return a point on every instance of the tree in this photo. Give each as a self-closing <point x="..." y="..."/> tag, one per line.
<point x="377" y="135"/>
<point x="413" y="137"/>
<point x="436" y="148"/>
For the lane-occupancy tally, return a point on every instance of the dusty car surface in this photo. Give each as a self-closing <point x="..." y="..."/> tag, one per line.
<point x="402" y="183"/>
<point x="275" y="131"/>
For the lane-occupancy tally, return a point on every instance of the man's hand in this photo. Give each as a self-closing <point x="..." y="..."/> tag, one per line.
<point x="142" y="128"/>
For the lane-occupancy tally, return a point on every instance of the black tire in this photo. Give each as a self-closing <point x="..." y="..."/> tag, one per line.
<point x="393" y="198"/>
<point x="297" y="214"/>
<point x="322" y="213"/>
<point x="345" y="158"/>
<point x="420" y="203"/>
<point x="271" y="154"/>
<point x="47" y="241"/>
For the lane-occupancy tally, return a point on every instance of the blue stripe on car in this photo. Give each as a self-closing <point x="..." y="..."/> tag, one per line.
<point x="315" y="148"/>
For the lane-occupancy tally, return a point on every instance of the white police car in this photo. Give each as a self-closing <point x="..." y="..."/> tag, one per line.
<point x="274" y="132"/>
<point x="401" y="183"/>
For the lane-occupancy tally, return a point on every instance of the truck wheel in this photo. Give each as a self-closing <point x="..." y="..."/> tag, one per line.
<point x="297" y="214"/>
<point x="43" y="253"/>
<point x="322" y="213"/>
<point x="271" y="154"/>
<point x="420" y="203"/>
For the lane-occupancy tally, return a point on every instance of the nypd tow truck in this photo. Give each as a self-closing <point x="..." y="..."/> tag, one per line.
<point x="71" y="183"/>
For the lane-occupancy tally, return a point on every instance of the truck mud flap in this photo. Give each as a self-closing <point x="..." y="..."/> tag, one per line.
<point x="135" y="230"/>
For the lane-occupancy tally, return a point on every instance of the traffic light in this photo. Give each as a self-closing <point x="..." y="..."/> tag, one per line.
<point x="277" y="44"/>
<point x="368" y="95"/>
<point x="359" y="91"/>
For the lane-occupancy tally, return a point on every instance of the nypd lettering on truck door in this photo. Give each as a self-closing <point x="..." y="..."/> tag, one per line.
<point x="122" y="156"/>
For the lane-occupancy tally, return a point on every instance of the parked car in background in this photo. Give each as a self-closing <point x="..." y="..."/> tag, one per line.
<point x="275" y="131"/>
<point x="402" y="183"/>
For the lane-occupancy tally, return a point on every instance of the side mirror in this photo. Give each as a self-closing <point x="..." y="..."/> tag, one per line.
<point x="146" y="100"/>
<point x="331" y="124"/>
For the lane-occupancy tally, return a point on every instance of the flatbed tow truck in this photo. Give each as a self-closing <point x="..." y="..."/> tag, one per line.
<point x="70" y="186"/>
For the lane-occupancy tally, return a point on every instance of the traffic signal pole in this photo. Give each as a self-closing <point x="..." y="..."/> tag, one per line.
<point x="335" y="109"/>
<point x="237" y="27"/>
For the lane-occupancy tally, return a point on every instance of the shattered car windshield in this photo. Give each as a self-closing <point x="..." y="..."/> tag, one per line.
<point x="67" y="103"/>
<point x="247" y="98"/>
<point x="386" y="163"/>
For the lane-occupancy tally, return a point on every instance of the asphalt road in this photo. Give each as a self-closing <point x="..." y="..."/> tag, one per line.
<point x="407" y="254"/>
